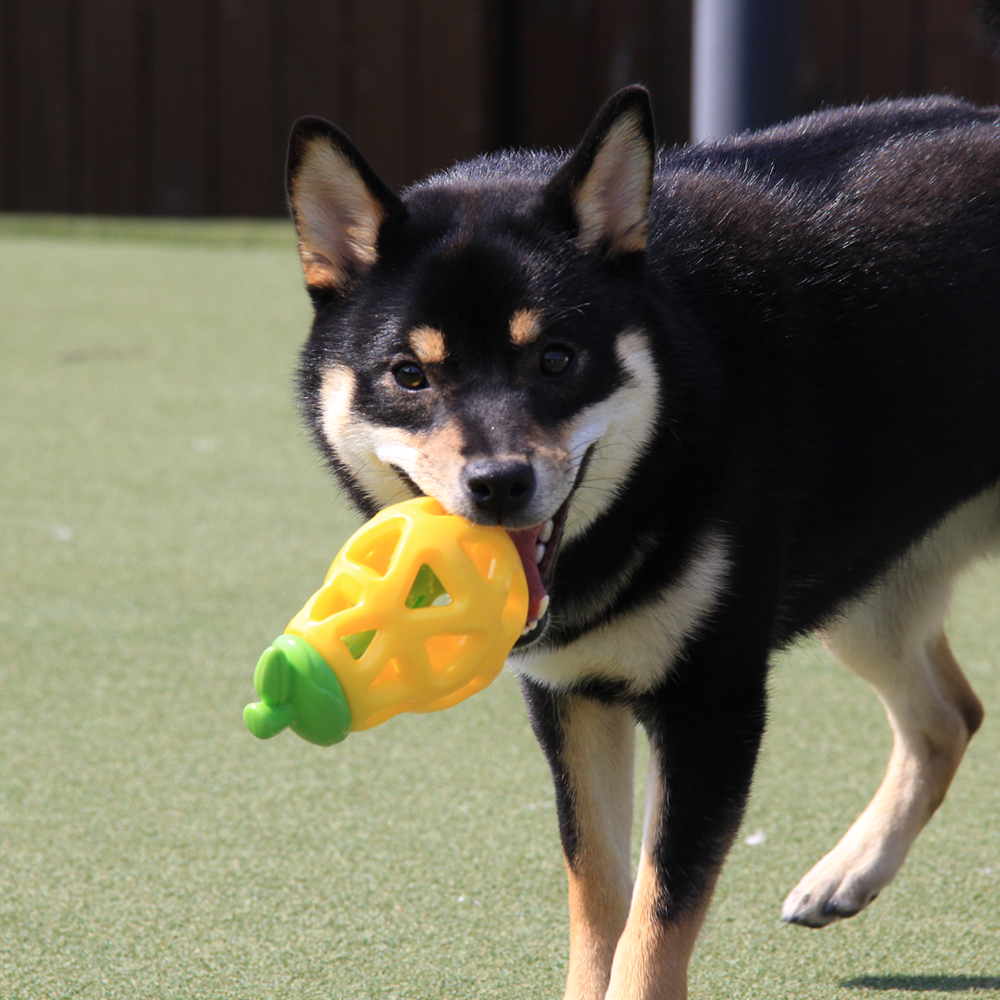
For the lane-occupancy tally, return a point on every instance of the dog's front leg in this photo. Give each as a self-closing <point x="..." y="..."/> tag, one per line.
<point x="705" y="730"/>
<point x="590" y="747"/>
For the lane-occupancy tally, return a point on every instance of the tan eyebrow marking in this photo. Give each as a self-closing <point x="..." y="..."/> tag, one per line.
<point x="525" y="326"/>
<point x="428" y="345"/>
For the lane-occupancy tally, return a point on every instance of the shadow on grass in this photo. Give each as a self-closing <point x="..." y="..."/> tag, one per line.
<point x="925" y="984"/>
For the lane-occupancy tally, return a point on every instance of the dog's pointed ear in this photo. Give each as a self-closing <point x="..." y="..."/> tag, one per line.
<point x="339" y="205"/>
<point x="606" y="184"/>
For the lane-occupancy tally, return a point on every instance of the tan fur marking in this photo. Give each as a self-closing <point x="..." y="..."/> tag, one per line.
<point x="525" y="326"/>
<point x="374" y="451"/>
<point x="441" y="452"/>
<point x="956" y="686"/>
<point x="652" y="957"/>
<point x="613" y="200"/>
<point x="336" y="395"/>
<point x="433" y="461"/>
<point x="336" y="216"/>
<point x="893" y="637"/>
<point x="933" y="713"/>
<point x="599" y="755"/>
<point x="428" y="345"/>
<point x="355" y="441"/>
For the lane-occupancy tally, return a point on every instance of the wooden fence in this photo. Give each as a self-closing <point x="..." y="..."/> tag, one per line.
<point x="856" y="50"/>
<point x="182" y="107"/>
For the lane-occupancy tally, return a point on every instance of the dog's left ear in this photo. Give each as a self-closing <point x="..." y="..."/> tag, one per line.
<point x="606" y="184"/>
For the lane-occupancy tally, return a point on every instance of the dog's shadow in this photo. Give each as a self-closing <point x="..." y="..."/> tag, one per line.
<point x="925" y="984"/>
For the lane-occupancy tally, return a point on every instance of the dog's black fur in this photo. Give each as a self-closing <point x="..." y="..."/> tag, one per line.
<point x="817" y="309"/>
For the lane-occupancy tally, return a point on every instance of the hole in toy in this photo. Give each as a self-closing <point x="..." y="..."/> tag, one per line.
<point x="389" y="675"/>
<point x="443" y="649"/>
<point x="375" y="548"/>
<point x="333" y="599"/>
<point x="427" y="590"/>
<point x="483" y="557"/>
<point x="358" y="642"/>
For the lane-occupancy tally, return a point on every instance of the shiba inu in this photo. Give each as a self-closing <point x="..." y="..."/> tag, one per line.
<point x="720" y="397"/>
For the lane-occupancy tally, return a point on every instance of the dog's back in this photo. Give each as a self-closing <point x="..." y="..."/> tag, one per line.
<point x="845" y="266"/>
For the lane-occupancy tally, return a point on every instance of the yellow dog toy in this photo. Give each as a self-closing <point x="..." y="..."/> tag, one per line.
<point x="419" y="610"/>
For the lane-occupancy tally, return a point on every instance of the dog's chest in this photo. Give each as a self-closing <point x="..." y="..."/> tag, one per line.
<point x="639" y="646"/>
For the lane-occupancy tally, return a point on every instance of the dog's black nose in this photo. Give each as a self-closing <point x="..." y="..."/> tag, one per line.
<point x="500" y="489"/>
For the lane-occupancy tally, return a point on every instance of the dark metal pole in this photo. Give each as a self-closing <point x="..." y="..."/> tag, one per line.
<point x="745" y="65"/>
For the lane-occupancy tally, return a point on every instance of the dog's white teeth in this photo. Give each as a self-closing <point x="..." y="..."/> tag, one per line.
<point x="546" y="531"/>
<point x="533" y="624"/>
<point x="539" y="552"/>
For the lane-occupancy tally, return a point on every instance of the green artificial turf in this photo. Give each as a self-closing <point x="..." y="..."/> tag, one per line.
<point x="162" y="516"/>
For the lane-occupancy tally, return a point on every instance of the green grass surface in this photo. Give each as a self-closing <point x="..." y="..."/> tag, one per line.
<point x="161" y="517"/>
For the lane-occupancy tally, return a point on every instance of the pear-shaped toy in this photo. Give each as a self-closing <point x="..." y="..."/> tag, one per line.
<point x="418" y="612"/>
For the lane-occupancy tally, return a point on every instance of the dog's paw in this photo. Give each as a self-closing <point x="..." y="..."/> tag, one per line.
<point x="831" y="891"/>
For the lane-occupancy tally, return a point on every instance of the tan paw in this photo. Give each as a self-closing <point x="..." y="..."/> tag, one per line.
<point x="831" y="892"/>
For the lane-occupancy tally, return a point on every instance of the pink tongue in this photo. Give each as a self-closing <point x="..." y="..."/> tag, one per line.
<point x="526" y="542"/>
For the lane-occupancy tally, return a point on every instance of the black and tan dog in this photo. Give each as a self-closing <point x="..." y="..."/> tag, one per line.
<point x="720" y="396"/>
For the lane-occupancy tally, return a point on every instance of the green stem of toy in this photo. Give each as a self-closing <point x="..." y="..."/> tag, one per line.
<point x="298" y="690"/>
<point x="265" y="721"/>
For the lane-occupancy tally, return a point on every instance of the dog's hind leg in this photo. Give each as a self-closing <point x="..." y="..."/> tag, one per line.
<point x="590" y="747"/>
<point x="894" y="639"/>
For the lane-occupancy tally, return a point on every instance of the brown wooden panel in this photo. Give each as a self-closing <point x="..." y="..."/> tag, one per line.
<point x="620" y="38"/>
<point x="959" y="53"/>
<point x="859" y="49"/>
<point x="500" y="69"/>
<point x="667" y="67"/>
<point x="8" y="147"/>
<point x="647" y="42"/>
<point x="823" y="70"/>
<point x="316" y="60"/>
<point x="44" y="102"/>
<point x="988" y="68"/>
<point x="109" y="106"/>
<point x="384" y="114"/>
<point x="183" y="106"/>
<point x="180" y="106"/>
<point x="620" y="29"/>
<point x="245" y="163"/>
<point x="561" y="72"/>
<point x="576" y="55"/>
<point x="451" y="82"/>
<point x="887" y="59"/>
<point x="948" y="37"/>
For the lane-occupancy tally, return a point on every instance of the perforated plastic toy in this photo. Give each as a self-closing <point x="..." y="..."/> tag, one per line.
<point x="418" y="612"/>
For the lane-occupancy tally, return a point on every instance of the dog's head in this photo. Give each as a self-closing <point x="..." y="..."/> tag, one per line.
<point x="483" y="338"/>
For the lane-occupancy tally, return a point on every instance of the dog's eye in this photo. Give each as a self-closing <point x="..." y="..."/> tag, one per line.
<point x="410" y="376"/>
<point x="556" y="359"/>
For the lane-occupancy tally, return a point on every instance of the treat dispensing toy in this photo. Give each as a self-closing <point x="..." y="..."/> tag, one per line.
<point x="418" y="611"/>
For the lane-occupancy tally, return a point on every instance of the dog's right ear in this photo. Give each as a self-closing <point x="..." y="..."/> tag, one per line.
<point x="602" y="192"/>
<point x="339" y="205"/>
